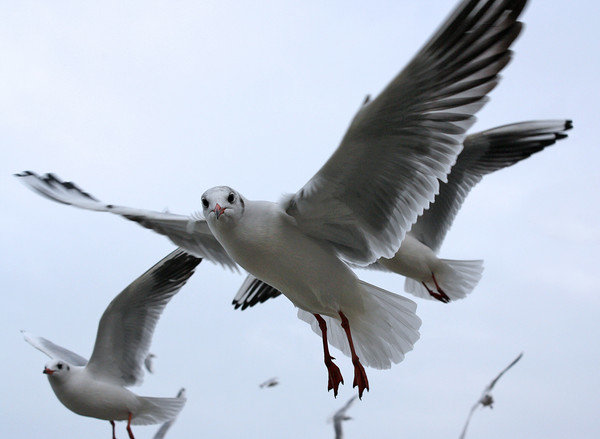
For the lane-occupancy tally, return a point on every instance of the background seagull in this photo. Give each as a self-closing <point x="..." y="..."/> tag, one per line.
<point x="486" y="399"/>
<point x="97" y="388"/>
<point x="358" y="207"/>
<point x="162" y="431"/>
<point x="427" y="276"/>
<point x="339" y="417"/>
<point x="271" y="382"/>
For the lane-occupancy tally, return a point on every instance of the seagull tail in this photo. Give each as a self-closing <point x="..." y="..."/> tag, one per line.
<point x="157" y="410"/>
<point x="383" y="332"/>
<point x="456" y="279"/>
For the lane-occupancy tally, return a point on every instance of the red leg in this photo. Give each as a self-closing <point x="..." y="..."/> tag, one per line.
<point x="440" y="295"/>
<point x="129" y="427"/>
<point x="335" y="376"/>
<point x="360" y="376"/>
<point x="113" y="428"/>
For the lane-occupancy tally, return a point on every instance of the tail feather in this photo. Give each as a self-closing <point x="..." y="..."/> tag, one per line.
<point x="157" y="410"/>
<point x="457" y="279"/>
<point x="382" y="334"/>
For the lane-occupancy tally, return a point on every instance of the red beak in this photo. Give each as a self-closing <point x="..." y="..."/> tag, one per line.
<point x="218" y="210"/>
<point x="48" y="371"/>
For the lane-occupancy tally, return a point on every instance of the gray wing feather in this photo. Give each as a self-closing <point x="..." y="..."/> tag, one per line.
<point x="400" y="144"/>
<point x="54" y="351"/>
<point x="126" y="327"/>
<point x="187" y="232"/>
<point x="483" y="153"/>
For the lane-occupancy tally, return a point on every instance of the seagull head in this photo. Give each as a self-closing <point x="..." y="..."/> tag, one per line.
<point x="57" y="369"/>
<point x="222" y="204"/>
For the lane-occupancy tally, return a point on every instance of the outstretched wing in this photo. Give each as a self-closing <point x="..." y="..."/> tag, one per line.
<point x="190" y="233"/>
<point x="253" y="291"/>
<point x="399" y="145"/>
<point x="495" y="380"/>
<point x="54" y="351"/>
<point x="483" y="153"/>
<point x="126" y="327"/>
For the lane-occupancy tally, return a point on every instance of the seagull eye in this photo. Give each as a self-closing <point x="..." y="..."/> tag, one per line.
<point x="231" y="198"/>
<point x="204" y="202"/>
<point x="59" y="365"/>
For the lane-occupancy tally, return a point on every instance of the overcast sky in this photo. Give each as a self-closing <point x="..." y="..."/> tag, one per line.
<point x="148" y="104"/>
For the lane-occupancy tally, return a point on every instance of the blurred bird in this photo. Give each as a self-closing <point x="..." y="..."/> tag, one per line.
<point x="271" y="382"/>
<point x="339" y="417"/>
<point x="96" y="388"/>
<point x="486" y="399"/>
<point x="162" y="431"/>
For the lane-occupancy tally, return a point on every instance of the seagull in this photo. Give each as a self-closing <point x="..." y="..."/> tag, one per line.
<point x="483" y="153"/>
<point x="340" y="416"/>
<point x="358" y="207"/>
<point x="486" y="399"/>
<point x="162" y="431"/>
<point x="271" y="382"/>
<point x="96" y="388"/>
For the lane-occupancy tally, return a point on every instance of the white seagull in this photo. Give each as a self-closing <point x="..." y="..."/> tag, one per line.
<point x="96" y="388"/>
<point x="162" y="431"/>
<point x="427" y="275"/>
<point x="486" y="400"/>
<point x="358" y="207"/>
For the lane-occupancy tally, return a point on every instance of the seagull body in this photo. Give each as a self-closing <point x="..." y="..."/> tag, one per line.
<point x="486" y="399"/>
<point x="96" y="388"/>
<point x="358" y="207"/>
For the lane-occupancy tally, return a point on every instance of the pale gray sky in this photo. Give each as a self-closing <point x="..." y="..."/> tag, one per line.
<point x="148" y="104"/>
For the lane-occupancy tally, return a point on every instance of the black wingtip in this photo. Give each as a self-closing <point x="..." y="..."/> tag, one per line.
<point x="568" y="124"/>
<point x="24" y="174"/>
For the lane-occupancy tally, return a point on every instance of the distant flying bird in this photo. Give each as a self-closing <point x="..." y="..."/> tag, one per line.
<point x="358" y="207"/>
<point x="162" y="431"/>
<point x="97" y="388"/>
<point x="486" y="399"/>
<point x="271" y="382"/>
<point x="339" y="417"/>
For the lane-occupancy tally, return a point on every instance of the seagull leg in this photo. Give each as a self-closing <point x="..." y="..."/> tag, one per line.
<point x="335" y="376"/>
<point x="113" y="428"/>
<point x="129" y="427"/>
<point x="440" y="295"/>
<point x="360" y="376"/>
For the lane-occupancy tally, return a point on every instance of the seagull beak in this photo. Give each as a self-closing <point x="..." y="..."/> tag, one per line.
<point x="48" y="371"/>
<point x="218" y="210"/>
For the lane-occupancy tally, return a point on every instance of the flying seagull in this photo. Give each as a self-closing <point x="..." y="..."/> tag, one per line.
<point x="271" y="382"/>
<point x="162" y="431"/>
<point x="483" y="153"/>
<point x="339" y="417"/>
<point x="96" y="388"/>
<point x="358" y="207"/>
<point x="486" y="399"/>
